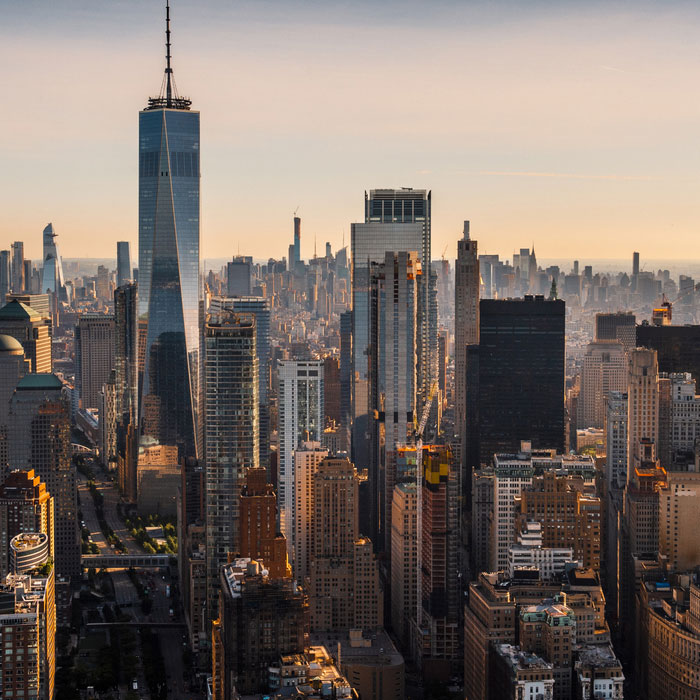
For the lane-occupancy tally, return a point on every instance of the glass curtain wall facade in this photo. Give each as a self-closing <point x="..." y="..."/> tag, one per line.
<point x="123" y="263"/>
<point x="260" y="308"/>
<point x="231" y="438"/>
<point x="521" y="375"/>
<point x="52" y="271"/>
<point x="395" y="293"/>
<point x="395" y="220"/>
<point x="169" y="278"/>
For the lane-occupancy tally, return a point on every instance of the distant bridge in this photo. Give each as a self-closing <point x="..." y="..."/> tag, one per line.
<point x="124" y="561"/>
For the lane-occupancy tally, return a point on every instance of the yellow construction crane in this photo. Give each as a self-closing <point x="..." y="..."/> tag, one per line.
<point x="419" y="430"/>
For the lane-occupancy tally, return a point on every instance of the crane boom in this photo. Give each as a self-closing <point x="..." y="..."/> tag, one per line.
<point x="419" y="499"/>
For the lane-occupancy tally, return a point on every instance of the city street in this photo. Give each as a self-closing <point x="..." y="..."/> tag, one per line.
<point x="172" y="639"/>
<point x="87" y="506"/>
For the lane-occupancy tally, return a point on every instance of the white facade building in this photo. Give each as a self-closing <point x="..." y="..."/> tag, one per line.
<point x="529" y="553"/>
<point x="512" y="473"/>
<point x="301" y="419"/>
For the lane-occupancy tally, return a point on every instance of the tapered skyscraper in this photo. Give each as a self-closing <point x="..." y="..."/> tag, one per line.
<point x="52" y="272"/>
<point x="169" y="282"/>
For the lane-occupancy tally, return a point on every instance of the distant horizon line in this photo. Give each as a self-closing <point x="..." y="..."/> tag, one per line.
<point x="504" y="257"/>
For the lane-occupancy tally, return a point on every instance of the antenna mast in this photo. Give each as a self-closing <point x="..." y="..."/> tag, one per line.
<point x="168" y="97"/>
<point x="168" y="69"/>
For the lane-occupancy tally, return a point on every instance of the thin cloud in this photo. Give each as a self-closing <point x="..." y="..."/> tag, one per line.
<point x="568" y="176"/>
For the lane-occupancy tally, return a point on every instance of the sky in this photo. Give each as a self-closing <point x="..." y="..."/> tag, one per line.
<point x="572" y="125"/>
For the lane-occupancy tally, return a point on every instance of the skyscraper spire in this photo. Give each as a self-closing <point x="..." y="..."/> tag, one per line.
<point x="168" y="98"/>
<point x="168" y="69"/>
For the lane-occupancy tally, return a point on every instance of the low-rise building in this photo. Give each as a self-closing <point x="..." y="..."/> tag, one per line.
<point x="369" y="661"/>
<point x="598" y="673"/>
<point x="518" y="674"/>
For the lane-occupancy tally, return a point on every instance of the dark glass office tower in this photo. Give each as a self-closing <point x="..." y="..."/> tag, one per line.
<point x="520" y="391"/>
<point x="126" y="380"/>
<point x="123" y="263"/>
<point x="169" y="279"/>
<point x="677" y="347"/>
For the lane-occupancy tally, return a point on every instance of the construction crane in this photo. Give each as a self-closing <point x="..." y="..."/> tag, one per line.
<point x="418" y="434"/>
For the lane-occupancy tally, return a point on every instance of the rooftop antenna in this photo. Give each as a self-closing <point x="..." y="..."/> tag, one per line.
<point x="169" y="97"/>
<point x="168" y="69"/>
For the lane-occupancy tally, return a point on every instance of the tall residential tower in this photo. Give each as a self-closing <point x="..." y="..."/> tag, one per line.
<point x="231" y="436"/>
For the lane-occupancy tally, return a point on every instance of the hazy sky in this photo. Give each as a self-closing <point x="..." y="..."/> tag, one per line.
<point x="571" y="124"/>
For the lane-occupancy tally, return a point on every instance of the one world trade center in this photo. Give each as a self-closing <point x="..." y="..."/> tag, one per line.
<point x="169" y="275"/>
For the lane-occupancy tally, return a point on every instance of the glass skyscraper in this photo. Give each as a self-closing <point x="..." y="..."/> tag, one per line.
<point x="123" y="263"/>
<point x="52" y="272"/>
<point x="169" y="274"/>
<point x="260" y="308"/>
<point x="395" y="220"/>
<point x="231" y="407"/>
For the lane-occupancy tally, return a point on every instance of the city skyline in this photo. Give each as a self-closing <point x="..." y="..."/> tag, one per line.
<point x="546" y="129"/>
<point x="325" y="470"/>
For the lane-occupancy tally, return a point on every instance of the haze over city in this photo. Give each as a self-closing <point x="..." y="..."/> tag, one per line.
<point x="562" y="124"/>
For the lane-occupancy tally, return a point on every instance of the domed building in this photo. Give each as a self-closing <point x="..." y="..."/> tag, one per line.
<point x="13" y="367"/>
<point x="10" y="345"/>
<point x="32" y="330"/>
